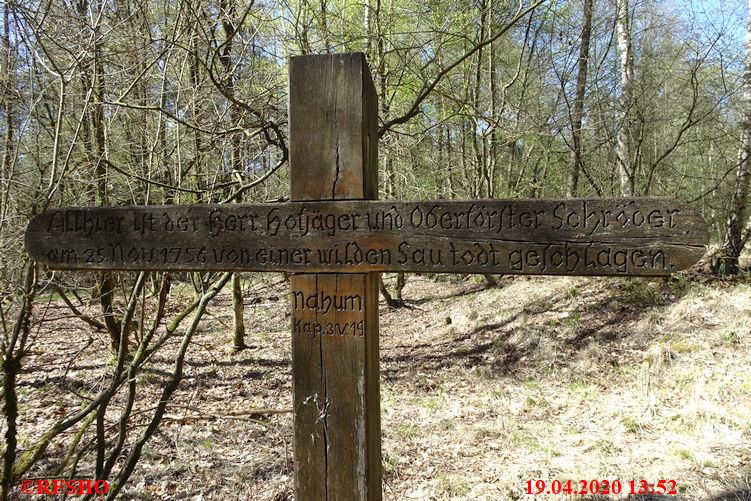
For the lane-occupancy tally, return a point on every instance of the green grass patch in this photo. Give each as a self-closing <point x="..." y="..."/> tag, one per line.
<point x="729" y="337"/>
<point x="406" y="431"/>
<point x="521" y="439"/>
<point x="537" y="402"/>
<point x="552" y="452"/>
<point x="624" y="370"/>
<point x="631" y="424"/>
<point x="683" y="346"/>
<point x="207" y="443"/>
<point x="640" y="293"/>
<point x="390" y="464"/>
<point x="573" y="321"/>
<point x="605" y="446"/>
<point x="430" y="403"/>
<point x="453" y="484"/>
<point x="582" y="389"/>
<point x="447" y="424"/>
<point x="532" y="384"/>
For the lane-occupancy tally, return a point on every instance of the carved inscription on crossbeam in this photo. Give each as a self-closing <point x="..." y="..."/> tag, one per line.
<point x="639" y="236"/>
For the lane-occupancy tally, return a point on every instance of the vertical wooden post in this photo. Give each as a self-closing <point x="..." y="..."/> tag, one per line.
<point x="335" y="365"/>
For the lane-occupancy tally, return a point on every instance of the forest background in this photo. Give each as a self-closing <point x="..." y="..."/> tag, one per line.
<point x="133" y="103"/>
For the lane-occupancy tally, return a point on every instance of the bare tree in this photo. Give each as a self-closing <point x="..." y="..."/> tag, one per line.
<point x="735" y="237"/>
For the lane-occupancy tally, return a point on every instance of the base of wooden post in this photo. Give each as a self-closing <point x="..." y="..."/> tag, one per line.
<point x="335" y="371"/>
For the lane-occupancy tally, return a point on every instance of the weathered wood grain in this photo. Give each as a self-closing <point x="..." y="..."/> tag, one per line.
<point x="616" y="236"/>
<point x="332" y="134"/>
<point x="333" y="154"/>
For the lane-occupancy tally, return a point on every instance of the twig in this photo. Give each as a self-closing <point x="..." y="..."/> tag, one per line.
<point x="94" y="323"/>
<point x="250" y="416"/>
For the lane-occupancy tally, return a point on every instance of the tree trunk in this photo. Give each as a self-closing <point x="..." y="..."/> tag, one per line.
<point x="476" y="93"/>
<point x="390" y="181"/>
<point x="401" y="281"/>
<point x="238" y="331"/>
<point x="325" y="26"/>
<point x="386" y="295"/>
<point x="734" y="234"/>
<point x="11" y="368"/>
<point x="105" y="287"/>
<point x="230" y="29"/>
<point x="13" y="352"/>
<point x="368" y="24"/>
<point x="9" y="72"/>
<point x="494" y="74"/>
<point x="450" y="185"/>
<point x="581" y="84"/>
<point x="626" y="170"/>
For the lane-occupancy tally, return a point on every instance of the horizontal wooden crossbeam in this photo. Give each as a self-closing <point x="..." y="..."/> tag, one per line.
<point x="606" y="236"/>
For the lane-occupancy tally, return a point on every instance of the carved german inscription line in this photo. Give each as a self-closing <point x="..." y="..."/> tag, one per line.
<point x="639" y="236"/>
<point x="325" y="302"/>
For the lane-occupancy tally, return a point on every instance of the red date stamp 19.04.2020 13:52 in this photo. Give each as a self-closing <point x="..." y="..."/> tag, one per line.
<point x="603" y="487"/>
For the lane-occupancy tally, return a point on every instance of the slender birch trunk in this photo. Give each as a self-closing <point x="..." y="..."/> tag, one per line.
<point x="626" y="170"/>
<point x="581" y="85"/>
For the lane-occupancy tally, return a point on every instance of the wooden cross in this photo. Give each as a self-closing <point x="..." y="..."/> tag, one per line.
<point x="336" y="238"/>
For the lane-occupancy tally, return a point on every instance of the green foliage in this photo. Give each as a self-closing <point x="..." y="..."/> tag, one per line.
<point x="640" y="293"/>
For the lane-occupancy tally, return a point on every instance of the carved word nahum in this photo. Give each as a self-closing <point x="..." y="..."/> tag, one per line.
<point x="323" y="302"/>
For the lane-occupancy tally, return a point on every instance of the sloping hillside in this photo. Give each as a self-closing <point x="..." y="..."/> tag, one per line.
<point x="482" y="391"/>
